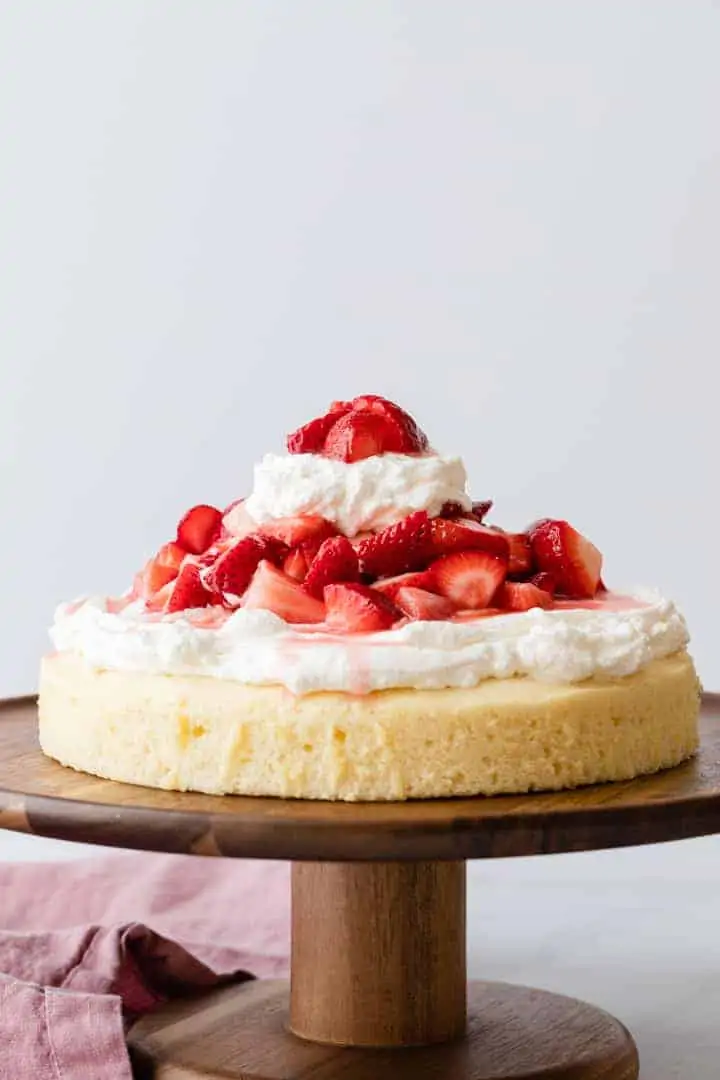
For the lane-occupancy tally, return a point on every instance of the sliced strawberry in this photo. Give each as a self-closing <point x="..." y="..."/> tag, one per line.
<point x="232" y="571"/>
<point x="469" y="615"/>
<point x="355" y="609"/>
<point x="396" y="549"/>
<point x="416" y="441"/>
<point x="272" y="590"/>
<point x="356" y="436"/>
<point x="158" y="571"/>
<point x="336" y="561"/>
<point x="159" y="601"/>
<point x="300" y="530"/>
<point x="466" y="534"/>
<point x="188" y="591"/>
<point x="563" y="551"/>
<point x="389" y="587"/>
<point x="296" y="565"/>
<point x="469" y="578"/>
<point x="545" y="581"/>
<point x="198" y="528"/>
<point x="310" y="438"/>
<point x="422" y="605"/>
<point x="237" y="521"/>
<point x="480" y="510"/>
<point x="521" y="596"/>
<point x="521" y="560"/>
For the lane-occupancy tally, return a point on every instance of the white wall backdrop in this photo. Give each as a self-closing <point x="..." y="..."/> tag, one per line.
<point x="217" y="216"/>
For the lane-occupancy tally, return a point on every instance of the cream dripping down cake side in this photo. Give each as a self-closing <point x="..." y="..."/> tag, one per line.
<point x="359" y="628"/>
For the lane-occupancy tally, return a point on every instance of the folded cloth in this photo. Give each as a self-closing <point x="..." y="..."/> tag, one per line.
<point x="86" y="947"/>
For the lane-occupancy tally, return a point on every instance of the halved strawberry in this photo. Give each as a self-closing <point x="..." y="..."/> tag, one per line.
<point x="296" y="565"/>
<point x="544" y="580"/>
<point x="356" y="436"/>
<point x="159" y="600"/>
<point x="480" y="510"/>
<point x="198" y="528"/>
<point x="389" y="587"/>
<point x="396" y="549"/>
<point x="272" y="590"/>
<point x="302" y="529"/>
<point x="563" y="551"/>
<point x="355" y="609"/>
<point x="236" y="520"/>
<point x="336" y="561"/>
<point x="469" y="578"/>
<point x="232" y="571"/>
<point x="521" y="559"/>
<point x="188" y="591"/>
<point x="422" y="605"/>
<point x="466" y="534"/>
<point x="521" y="596"/>
<point x="159" y="570"/>
<point x="415" y="439"/>
<point x="310" y="438"/>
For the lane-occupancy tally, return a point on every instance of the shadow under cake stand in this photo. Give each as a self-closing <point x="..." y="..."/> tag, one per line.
<point x="378" y="989"/>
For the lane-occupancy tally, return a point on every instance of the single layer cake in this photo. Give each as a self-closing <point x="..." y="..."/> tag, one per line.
<point x="356" y="630"/>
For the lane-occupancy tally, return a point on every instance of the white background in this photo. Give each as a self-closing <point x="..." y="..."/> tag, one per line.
<point x="217" y="216"/>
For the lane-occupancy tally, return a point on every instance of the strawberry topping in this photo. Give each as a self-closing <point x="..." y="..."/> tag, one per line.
<point x="469" y="578"/>
<point x="303" y="529"/>
<point x="396" y="549"/>
<point x="521" y="596"/>
<point x="296" y="564"/>
<point x="336" y="561"/>
<point x="159" y="571"/>
<point x="422" y="605"/>
<point x="466" y="534"/>
<point x="356" y="436"/>
<point x="416" y="441"/>
<point x="187" y="591"/>
<point x="198" y="528"/>
<point x="353" y="609"/>
<point x="390" y="586"/>
<point x="272" y="590"/>
<point x="521" y="560"/>
<point x="562" y="551"/>
<point x="352" y="431"/>
<point x="232" y="571"/>
<point x="310" y="438"/>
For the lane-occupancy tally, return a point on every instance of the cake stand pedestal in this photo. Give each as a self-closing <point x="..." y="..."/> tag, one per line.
<point x="378" y="988"/>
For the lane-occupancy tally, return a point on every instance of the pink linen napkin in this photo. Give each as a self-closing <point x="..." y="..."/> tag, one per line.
<point x="88" y="946"/>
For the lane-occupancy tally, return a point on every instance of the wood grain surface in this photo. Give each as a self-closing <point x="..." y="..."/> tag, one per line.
<point x="514" y="1033"/>
<point x="39" y="796"/>
<point x="378" y="952"/>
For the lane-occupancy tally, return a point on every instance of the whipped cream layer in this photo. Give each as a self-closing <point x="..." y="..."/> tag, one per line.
<point x="563" y="645"/>
<point x="356" y="496"/>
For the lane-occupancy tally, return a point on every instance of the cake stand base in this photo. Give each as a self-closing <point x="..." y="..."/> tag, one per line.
<point x="514" y="1033"/>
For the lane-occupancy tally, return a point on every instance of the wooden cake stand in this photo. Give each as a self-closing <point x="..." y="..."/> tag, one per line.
<point x="378" y="988"/>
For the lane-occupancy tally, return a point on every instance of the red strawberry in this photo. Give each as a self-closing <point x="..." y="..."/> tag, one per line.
<point x="521" y="596"/>
<point x="198" y="528"/>
<point x="480" y="510"/>
<point x="300" y="530"/>
<point x="159" y="570"/>
<point x="232" y="571"/>
<point x="356" y="436"/>
<point x="187" y="591"/>
<point x="396" y="549"/>
<point x="566" y="553"/>
<point x="469" y="578"/>
<point x="389" y="586"/>
<point x="466" y="534"/>
<point x="545" y="581"/>
<point x="355" y="608"/>
<point x="272" y="590"/>
<point x="422" y="605"/>
<point x="520" y="562"/>
<point x="310" y="438"/>
<point x="160" y="599"/>
<point x="416" y="441"/>
<point x="296" y="565"/>
<point x="335" y="561"/>
<point x="236" y="520"/>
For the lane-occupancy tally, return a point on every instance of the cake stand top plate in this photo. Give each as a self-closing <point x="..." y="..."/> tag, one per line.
<point x="41" y="797"/>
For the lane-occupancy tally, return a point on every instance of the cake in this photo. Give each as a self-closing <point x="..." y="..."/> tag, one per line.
<point x="358" y="628"/>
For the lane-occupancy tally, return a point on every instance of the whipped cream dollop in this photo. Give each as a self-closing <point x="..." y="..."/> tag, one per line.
<point x="356" y="496"/>
<point x="561" y="645"/>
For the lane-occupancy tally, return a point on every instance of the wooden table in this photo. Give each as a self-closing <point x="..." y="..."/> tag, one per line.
<point x="378" y="986"/>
